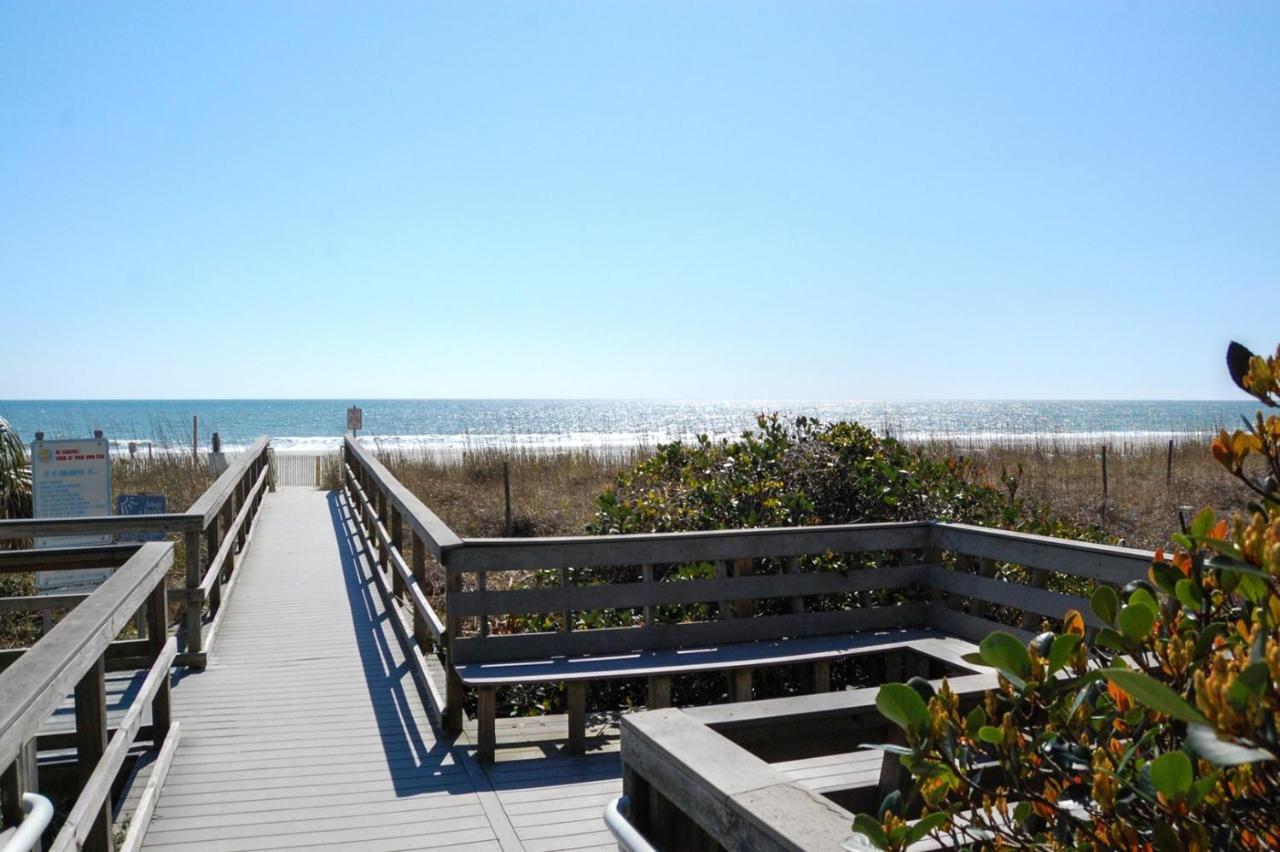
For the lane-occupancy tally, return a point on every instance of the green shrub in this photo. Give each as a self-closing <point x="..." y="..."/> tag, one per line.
<point x="1161" y="732"/>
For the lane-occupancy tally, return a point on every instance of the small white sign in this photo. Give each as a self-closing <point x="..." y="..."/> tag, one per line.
<point x="355" y="419"/>
<point x="71" y="479"/>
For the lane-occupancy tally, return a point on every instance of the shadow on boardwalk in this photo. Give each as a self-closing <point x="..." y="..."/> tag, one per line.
<point x="410" y="759"/>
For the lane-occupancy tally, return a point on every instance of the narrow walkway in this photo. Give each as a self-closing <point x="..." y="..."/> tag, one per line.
<point x="307" y="729"/>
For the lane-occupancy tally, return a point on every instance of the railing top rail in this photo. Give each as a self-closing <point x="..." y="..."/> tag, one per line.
<point x="1104" y="562"/>
<point x="210" y="503"/>
<point x="167" y="522"/>
<point x="434" y="532"/>
<point x="499" y="554"/>
<point x="42" y="677"/>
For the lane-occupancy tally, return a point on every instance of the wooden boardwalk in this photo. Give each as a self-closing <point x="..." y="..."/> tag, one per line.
<point x="307" y="729"/>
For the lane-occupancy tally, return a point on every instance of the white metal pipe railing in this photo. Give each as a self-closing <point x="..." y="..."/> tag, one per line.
<point x="39" y="813"/>
<point x="615" y="819"/>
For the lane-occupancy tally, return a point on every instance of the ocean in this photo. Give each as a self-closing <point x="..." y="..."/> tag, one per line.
<point x="451" y="425"/>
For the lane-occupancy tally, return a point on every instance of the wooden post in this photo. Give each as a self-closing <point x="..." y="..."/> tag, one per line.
<point x="577" y="710"/>
<point x="482" y="583"/>
<point x="637" y="791"/>
<point x="157" y="637"/>
<point x="91" y="742"/>
<point x="659" y="692"/>
<point x="486" y="723"/>
<point x="566" y="616"/>
<point x="21" y="776"/>
<point x="195" y="438"/>
<point x="195" y="606"/>
<point x="743" y="607"/>
<point x="650" y="612"/>
<point x="1030" y="620"/>
<point x="1168" y="464"/>
<point x="724" y="608"/>
<point x="822" y="676"/>
<point x="1104" y="471"/>
<point x="740" y="684"/>
<point x="792" y="566"/>
<point x="421" y="632"/>
<point x="506" y="497"/>
<point x="212" y="540"/>
<point x="398" y="588"/>
<point x="454" y="690"/>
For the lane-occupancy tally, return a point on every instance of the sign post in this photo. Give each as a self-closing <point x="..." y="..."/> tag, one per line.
<point x="355" y="419"/>
<point x="71" y="479"/>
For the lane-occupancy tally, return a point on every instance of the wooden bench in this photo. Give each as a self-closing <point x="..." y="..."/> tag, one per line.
<point x="658" y="667"/>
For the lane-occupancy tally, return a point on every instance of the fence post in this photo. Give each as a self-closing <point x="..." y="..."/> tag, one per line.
<point x="91" y="742"/>
<point x="195" y="606"/>
<point x="506" y="497"/>
<point x="1104" y="471"/>
<point x="1168" y="464"/>
<point x="454" y="690"/>
<point x="157" y="638"/>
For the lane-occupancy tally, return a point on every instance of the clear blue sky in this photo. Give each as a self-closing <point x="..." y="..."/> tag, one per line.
<point x="708" y="200"/>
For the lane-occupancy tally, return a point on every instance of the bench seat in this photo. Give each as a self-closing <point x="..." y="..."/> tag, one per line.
<point x="659" y="666"/>
<point x="779" y="652"/>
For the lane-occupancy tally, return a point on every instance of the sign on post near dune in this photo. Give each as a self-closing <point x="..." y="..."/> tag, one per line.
<point x="140" y="504"/>
<point x="71" y="479"/>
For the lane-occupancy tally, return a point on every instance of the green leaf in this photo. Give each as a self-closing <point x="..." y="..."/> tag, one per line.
<point x="1165" y="576"/>
<point x="1190" y="595"/>
<point x="976" y="719"/>
<point x="921" y="828"/>
<point x="1153" y="694"/>
<point x="1136" y="621"/>
<point x="1141" y="597"/>
<point x="974" y="658"/>
<point x="1210" y="632"/>
<point x="1172" y="775"/>
<point x="1201" y="524"/>
<point x="1108" y="638"/>
<point x="1061" y="649"/>
<point x="1204" y="741"/>
<point x="903" y="706"/>
<point x="1202" y="787"/>
<point x="1248" y="685"/>
<point x="989" y="734"/>
<point x="1105" y="603"/>
<point x="872" y="830"/>
<point x="1021" y="811"/>
<point x="1005" y="652"/>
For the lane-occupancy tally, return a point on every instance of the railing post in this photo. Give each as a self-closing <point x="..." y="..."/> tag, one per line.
<point x="454" y="690"/>
<point x="91" y="743"/>
<point x="1030" y="620"/>
<point x="792" y="566"/>
<point x="398" y="587"/>
<point x="381" y="518"/>
<point x="21" y="776"/>
<point x="212" y="541"/>
<point x="195" y="606"/>
<point x="157" y="638"/>
<point x="421" y="631"/>
<point x="650" y="611"/>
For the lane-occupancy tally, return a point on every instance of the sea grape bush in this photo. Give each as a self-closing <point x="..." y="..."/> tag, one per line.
<point x="1159" y="733"/>
<point x="802" y="472"/>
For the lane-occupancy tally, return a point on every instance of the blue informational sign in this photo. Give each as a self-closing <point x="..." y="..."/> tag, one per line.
<point x="141" y="504"/>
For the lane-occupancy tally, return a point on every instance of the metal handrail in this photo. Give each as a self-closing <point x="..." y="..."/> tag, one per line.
<point x="615" y="819"/>
<point x="39" y="815"/>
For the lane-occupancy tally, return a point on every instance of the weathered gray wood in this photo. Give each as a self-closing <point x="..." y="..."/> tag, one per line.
<point x="84" y="826"/>
<point x="45" y="674"/>
<point x="1015" y="595"/>
<point x="21" y="775"/>
<point x="741" y="801"/>
<point x="91" y="743"/>
<point x="36" y="603"/>
<point x="495" y="554"/>
<point x="659" y="692"/>
<point x="1110" y="564"/>
<point x="433" y="531"/>
<point x="141" y="818"/>
<point x="158" y="641"/>
<point x="740" y="684"/>
<point x="576" y="694"/>
<point x="65" y="558"/>
<point x="486" y="712"/>
<point x="619" y="640"/>
<point x="971" y="627"/>
<point x="194" y="615"/>
<point x="650" y="594"/>
<point x="249" y="462"/>
<point x="233" y="537"/>
<point x="665" y="661"/>
<point x="31" y="527"/>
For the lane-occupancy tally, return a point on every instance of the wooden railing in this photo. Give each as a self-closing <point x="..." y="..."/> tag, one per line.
<point x="74" y="657"/>
<point x="214" y="532"/>
<point x="963" y="580"/>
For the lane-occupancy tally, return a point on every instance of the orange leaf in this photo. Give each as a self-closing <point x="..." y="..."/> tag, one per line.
<point x="1074" y="622"/>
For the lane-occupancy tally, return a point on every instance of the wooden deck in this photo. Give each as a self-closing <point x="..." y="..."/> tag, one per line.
<point x="308" y="730"/>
